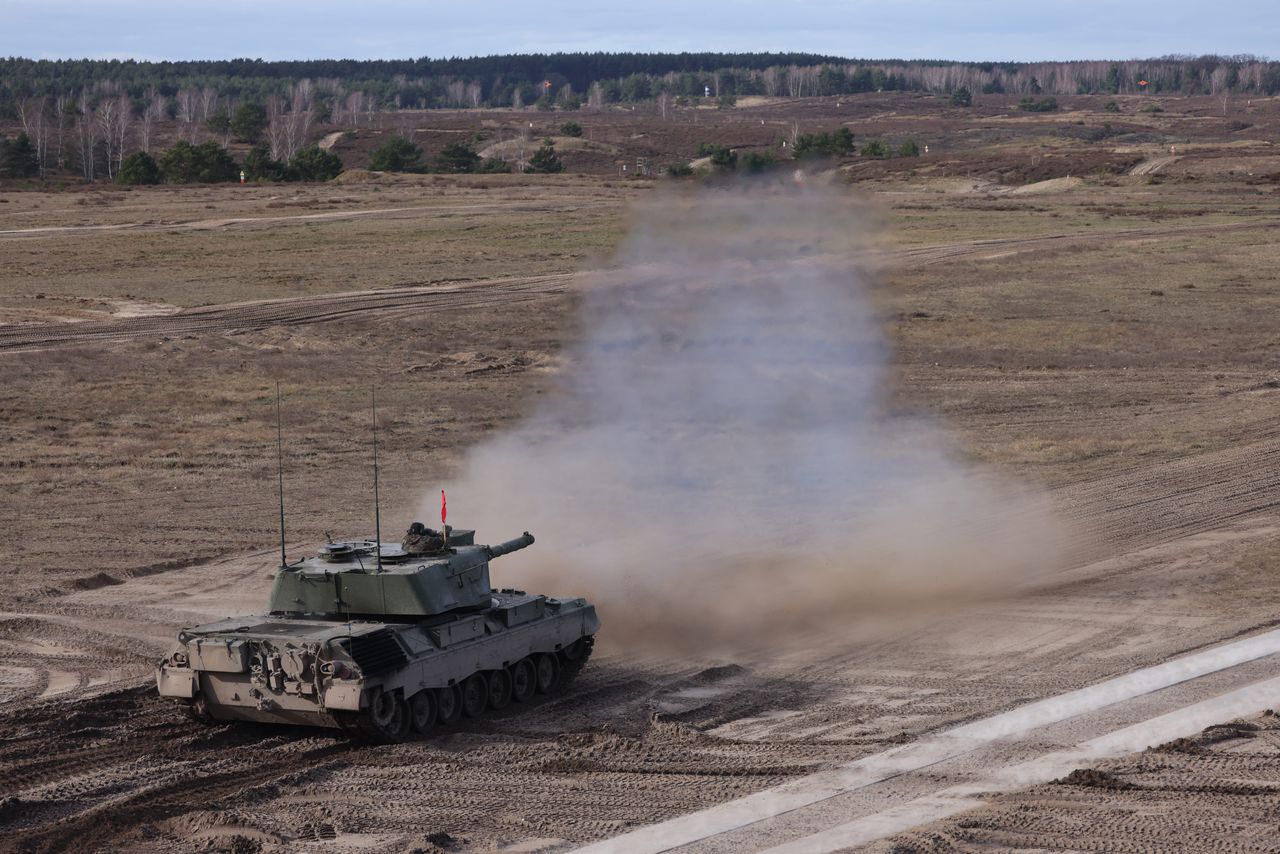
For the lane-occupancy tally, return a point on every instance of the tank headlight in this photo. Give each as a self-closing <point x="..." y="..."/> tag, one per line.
<point x="179" y="659"/>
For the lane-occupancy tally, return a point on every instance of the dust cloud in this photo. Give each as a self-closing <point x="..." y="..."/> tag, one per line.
<point x="720" y="465"/>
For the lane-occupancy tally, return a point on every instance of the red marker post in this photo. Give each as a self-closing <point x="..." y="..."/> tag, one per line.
<point x="444" y="514"/>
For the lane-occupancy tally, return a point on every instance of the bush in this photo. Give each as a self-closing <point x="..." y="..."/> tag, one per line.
<point x="723" y="158"/>
<point x="875" y="148"/>
<point x="995" y="87"/>
<point x="207" y="163"/>
<point x="836" y="144"/>
<point x="1111" y="107"/>
<point x="493" y="165"/>
<point x="726" y="102"/>
<point x="1031" y="105"/>
<point x="457" y="157"/>
<point x="571" y="103"/>
<point x="248" y="122"/>
<point x="313" y="163"/>
<point x="139" y="168"/>
<point x="258" y="165"/>
<point x="545" y="159"/>
<point x="1152" y="108"/>
<point x="571" y="129"/>
<point x="705" y="149"/>
<point x="909" y="149"/>
<point x="755" y="162"/>
<point x="397" y="154"/>
<point x="679" y="170"/>
<point x="962" y="97"/>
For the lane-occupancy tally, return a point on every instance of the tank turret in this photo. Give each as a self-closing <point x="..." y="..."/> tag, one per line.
<point x="425" y="575"/>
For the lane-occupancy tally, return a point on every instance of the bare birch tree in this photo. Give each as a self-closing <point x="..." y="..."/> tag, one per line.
<point x="152" y="112"/>
<point x="86" y="135"/>
<point x="187" y="107"/>
<point x="33" y="113"/>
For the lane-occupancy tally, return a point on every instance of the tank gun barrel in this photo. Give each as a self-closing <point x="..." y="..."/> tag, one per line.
<point x="521" y="542"/>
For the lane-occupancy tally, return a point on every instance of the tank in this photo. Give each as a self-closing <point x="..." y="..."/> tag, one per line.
<point x="383" y="640"/>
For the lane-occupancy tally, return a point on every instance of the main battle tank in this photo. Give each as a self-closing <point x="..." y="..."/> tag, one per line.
<point x="383" y="639"/>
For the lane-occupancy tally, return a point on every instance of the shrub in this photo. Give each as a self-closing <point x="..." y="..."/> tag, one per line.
<point x="1044" y="105"/>
<point x="571" y="129"/>
<point x="679" y="170"/>
<point x="396" y="154"/>
<point x="1152" y="108"/>
<point x="875" y="148"/>
<point x="493" y="165"/>
<point x="207" y="163"/>
<point x="545" y="159"/>
<point x="755" y="162"/>
<point x="258" y="165"/>
<point x="724" y="158"/>
<point x="726" y="102"/>
<point x="1111" y="107"/>
<point x="457" y="157"/>
<point x="995" y="87"/>
<point x="313" y="163"/>
<point x="836" y="144"/>
<point x="962" y="97"/>
<point x="139" y="168"/>
<point x="909" y="149"/>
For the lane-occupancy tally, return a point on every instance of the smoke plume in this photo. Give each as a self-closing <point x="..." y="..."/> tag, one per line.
<point x="719" y="463"/>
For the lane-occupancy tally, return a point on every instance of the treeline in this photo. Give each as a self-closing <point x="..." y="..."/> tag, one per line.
<point x="210" y="163"/>
<point x="343" y="90"/>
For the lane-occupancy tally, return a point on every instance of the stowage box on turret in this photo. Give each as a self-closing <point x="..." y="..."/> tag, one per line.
<point x="382" y="640"/>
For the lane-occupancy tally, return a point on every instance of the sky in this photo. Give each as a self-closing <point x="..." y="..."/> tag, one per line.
<point x="994" y="30"/>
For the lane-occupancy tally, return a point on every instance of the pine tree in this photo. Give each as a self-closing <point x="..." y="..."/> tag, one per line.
<point x="545" y="159"/>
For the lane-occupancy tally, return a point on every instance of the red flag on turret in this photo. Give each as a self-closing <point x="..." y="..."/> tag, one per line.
<point x="444" y="508"/>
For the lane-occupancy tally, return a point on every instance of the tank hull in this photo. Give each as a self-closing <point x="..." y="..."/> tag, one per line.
<point x="362" y="674"/>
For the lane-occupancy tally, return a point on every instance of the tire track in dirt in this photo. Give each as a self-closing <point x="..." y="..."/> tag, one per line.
<point x="252" y="221"/>
<point x="921" y="256"/>
<point x="1153" y="504"/>
<point x="284" y="312"/>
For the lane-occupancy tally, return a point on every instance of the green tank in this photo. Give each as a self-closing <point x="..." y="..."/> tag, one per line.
<point x="383" y="640"/>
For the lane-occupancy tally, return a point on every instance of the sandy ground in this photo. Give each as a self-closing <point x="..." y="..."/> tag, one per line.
<point x="1113" y="342"/>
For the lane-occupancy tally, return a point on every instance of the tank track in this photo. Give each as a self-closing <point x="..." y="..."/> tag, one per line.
<point x="572" y="659"/>
<point x="359" y="727"/>
<point x="570" y="668"/>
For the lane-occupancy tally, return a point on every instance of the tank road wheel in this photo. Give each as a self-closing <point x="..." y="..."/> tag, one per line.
<point x="475" y="695"/>
<point x="388" y="717"/>
<point x="499" y="689"/>
<point x="523" y="680"/>
<point x="448" y="704"/>
<point x="548" y="672"/>
<point x="422" y="710"/>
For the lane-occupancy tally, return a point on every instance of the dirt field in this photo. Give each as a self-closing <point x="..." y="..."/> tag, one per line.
<point x="1095" y="317"/>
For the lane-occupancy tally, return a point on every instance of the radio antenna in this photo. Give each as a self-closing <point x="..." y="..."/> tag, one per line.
<point x="284" y="561"/>
<point x="377" y="513"/>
